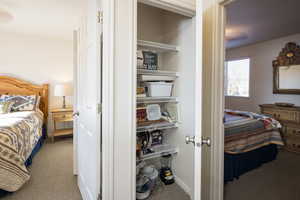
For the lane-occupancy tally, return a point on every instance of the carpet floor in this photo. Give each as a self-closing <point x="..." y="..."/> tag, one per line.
<point x="52" y="179"/>
<point x="169" y="192"/>
<point x="277" y="180"/>
<point x="51" y="175"/>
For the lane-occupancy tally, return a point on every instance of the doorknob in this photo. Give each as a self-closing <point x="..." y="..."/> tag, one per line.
<point x="76" y="114"/>
<point x="206" y="141"/>
<point x="190" y="139"/>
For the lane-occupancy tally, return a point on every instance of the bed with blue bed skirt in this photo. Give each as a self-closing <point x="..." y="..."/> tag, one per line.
<point x="251" y="140"/>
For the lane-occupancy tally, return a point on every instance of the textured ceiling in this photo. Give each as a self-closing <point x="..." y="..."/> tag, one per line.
<point x="252" y="21"/>
<point x="47" y="18"/>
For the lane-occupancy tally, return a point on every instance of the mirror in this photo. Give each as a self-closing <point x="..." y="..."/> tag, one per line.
<point x="287" y="70"/>
<point x="289" y="77"/>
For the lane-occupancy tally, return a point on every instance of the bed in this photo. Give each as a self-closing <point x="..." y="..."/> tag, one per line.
<point x="250" y="140"/>
<point x="22" y="132"/>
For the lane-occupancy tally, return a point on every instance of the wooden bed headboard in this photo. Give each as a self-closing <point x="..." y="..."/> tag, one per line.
<point x="13" y="86"/>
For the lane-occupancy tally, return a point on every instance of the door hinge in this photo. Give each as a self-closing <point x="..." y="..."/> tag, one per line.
<point x="100" y="17"/>
<point x="99" y="108"/>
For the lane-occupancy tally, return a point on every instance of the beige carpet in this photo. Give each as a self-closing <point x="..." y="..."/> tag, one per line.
<point x="52" y="179"/>
<point x="51" y="175"/>
<point x="169" y="192"/>
<point x="278" y="180"/>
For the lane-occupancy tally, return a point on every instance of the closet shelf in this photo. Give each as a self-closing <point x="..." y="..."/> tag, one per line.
<point x="156" y="46"/>
<point x="157" y="126"/>
<point x="160" y="151"/>
<point x="157" y="99"/>
<point x="157" y="73"/>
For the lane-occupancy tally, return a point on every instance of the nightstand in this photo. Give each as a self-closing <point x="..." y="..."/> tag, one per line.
<point x="61" y="115"/>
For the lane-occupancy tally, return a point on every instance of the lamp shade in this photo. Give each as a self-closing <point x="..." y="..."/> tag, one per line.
<point x="5" y="16"/>
<point x="63" y="90"/>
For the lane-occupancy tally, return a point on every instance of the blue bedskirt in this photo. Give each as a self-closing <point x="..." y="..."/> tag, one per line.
<point x="35" y="150"/>
<point x="236" y="165"/>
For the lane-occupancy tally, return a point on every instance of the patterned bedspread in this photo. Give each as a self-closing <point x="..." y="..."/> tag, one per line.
<point x="246" y="131"/>
<point x="19" y="133"/>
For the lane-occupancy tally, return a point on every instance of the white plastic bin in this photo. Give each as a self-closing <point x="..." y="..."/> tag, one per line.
<point x="159" y="89"/>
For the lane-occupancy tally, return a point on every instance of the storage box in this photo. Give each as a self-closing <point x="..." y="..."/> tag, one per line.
<point x="159" y="89"/>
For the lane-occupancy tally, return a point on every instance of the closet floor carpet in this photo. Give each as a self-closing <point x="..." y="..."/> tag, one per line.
<point x="170" y="192"/>
<point x="278" y="180"/>
<point x="51" y="175"/>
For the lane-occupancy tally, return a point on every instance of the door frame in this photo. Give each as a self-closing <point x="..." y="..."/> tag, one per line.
<point x="120" y="16"/>
<point x="117" y="135"/>
<point x="124" y="13"/>
<point x="118" y="95"/>
<point x="214" y="16"/>
<point x="107" y="100"/>
<point x="76" y="62"/>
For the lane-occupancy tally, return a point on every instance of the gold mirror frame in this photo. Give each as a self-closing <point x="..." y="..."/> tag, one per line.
<point x="290" y="55"/>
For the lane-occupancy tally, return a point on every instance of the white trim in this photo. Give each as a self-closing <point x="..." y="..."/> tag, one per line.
<point x="239" y="58"/>
<point x="184" y="186"/>
<point x="75" y="73"/>
<point x="177" y="6"/>
<point x="125" y="44"/>
<point x="242" y="97"/>
<point x="107" y="99"/>
<point x="198" y="102"/>
<point x="85" y="194"/>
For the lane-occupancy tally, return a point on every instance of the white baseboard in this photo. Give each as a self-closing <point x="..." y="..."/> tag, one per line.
<point x="184" y="186"/>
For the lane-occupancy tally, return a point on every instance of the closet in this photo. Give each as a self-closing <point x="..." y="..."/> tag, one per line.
<point x="165" y="103"/>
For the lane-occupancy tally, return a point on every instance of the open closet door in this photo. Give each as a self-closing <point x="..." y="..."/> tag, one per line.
<point x="88" y="106"/>
<point x="213" y="100"/>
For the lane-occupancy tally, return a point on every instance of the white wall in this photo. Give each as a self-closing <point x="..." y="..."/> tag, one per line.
<point x="261" y="74"/>
<point x="38" y="60"/>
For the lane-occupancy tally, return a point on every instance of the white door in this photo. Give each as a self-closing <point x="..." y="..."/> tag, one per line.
<point x="213" y="99"/>
<point x="89" y="103"/>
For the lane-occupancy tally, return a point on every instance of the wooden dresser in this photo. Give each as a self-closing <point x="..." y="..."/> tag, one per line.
<point x="289" y="117"/>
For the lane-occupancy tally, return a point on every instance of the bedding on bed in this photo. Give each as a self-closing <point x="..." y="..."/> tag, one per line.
<point x="246" y="131"/>
<point x="19" y="133"/>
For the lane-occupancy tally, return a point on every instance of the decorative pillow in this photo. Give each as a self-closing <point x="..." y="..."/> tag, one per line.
<point x="5" y="107"/>
<point x="21" y="103"/>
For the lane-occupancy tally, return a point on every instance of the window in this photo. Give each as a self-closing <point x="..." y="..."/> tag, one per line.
<point x="237" y="77"/>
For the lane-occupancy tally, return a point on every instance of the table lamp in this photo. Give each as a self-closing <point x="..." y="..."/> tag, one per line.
<point x="63" y="90"/>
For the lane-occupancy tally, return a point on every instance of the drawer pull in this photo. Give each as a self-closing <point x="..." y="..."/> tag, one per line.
<point x="296" y="131"/>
